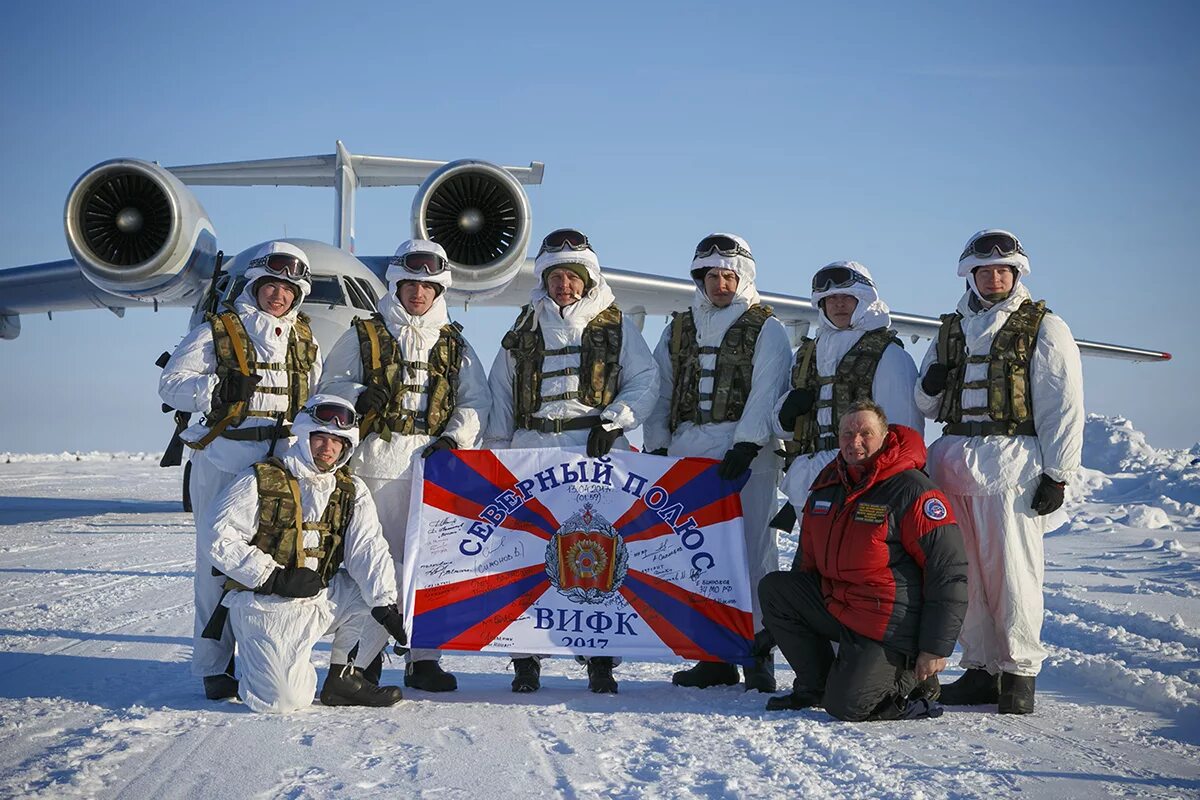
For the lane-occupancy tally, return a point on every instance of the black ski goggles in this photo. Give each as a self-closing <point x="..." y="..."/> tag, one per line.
<point x="838" y="278"/>
<point x="335" y="414"/>
<point x="564" y="239"/>
<point x="281" y="264"/>
<point x="993" y="244"/>
<point x="724" y="245"/>
<point x="418" y="262"/>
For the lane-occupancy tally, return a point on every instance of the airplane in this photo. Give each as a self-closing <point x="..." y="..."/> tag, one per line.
<point x="139" y="237"/>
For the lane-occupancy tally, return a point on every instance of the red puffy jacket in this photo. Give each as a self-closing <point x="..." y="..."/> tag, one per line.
<point x="889" y="553"/>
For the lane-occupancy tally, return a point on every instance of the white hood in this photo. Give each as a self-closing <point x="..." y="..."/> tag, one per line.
<point x="971" y="262"/>
<point x="871" y="312"/>
<point x="396" y="273"/>
<point x="303" y="285"/>
<point x="712" y="322"/>
<point x="594" y="300"/>
<point x="304" y="425"/>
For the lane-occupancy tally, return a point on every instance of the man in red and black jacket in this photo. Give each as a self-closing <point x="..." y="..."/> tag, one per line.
<point x="881" y="570"/>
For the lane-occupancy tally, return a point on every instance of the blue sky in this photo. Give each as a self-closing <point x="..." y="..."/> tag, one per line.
<point x="885" y="134"/>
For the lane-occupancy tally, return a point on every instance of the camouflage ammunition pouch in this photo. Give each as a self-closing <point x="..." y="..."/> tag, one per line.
<point x="383" y="365"/>
<point x="852" y="380"/>
<point x="731" y="374"/>
<point x="599" y="367"/>
<point x="281" y="525"/>
<point x="1009" y="397"/>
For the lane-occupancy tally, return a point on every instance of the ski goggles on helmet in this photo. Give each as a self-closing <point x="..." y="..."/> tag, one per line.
<point x="282" y="264"/>
<point x="993" y="244"/>
<point x="725" y="245"/>
<point x="564" y="239"/>
<point x="335" y="414"/>
<point x="838" y="278"/>
<point x="418" y="262"/>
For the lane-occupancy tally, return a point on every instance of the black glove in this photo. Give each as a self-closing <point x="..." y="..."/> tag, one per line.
<point x="798" y="402"/>
<point x="662" y="451"/>
<point x="934" y="381"/>
<point x="236" y="387"/>
<point x="764" y="643"/>
<point x="390" y="618"/>
<point x="442" y="443"/>
<point x="373" y="398"/>
<point x="600" y="441"/>
<point x="1048" y="497"/>
<point x="737" y="460"/>
<point x="292" y="582"/>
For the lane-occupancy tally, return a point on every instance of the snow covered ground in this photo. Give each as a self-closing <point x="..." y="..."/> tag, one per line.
<point x="96" y="699"/>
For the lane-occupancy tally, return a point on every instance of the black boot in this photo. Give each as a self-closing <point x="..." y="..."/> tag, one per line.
<point x="929" y="689"/>
<point x="346" y="686"/>
<point x="528" y="675"/>
<point x="600" y="677"/>
<point x="428" y="676"/>
<point x="976" y="687"/>
<point x="1016" y="693"/>
<point x="795" y="701"/>
<point x="374" y="670"/>
<point x="220" y="687"/>
<point x="706" y="674"/>
<point x="761" y="676"/>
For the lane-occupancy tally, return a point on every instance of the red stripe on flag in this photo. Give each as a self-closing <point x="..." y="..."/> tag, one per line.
<point x="679" y="474"/>
<point x="449" y="502"/>
<point x="484" y="633"/>
<point x="722" y="510"/>
<point x="501" y="478"/>
<point x="734" y="619"/>
<point x="671" y="636"/>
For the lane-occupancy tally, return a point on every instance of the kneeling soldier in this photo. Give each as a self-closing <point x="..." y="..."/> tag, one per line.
<point x="300" y="542"/>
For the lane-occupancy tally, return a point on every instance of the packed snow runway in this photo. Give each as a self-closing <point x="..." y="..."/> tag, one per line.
<point x="96" y="699"/>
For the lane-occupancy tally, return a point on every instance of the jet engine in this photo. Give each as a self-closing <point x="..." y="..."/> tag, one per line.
<point x="136" y="231"/>
<point x="479" y="213"/>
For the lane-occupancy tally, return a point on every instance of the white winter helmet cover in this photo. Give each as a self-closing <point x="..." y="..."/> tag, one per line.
<point x="740" y="265"/>
<point x="585" y="258"/>
<point x="305" y="425"/>
<point x="397" y="273"/>
<point x="969" y="261"/>
<point x="257" y="271"/>
<point x="870" y="307"/>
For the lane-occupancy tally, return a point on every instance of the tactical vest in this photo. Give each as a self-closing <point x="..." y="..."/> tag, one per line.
<point x="731" y="374"/>
<point x="852" y="380"/>
<point x="384" y="365"/>
<point x="235" y="353"/>
<point x="1009" y="398"/>
<point x="281" y="525"/>
<point x="599" y="367"/>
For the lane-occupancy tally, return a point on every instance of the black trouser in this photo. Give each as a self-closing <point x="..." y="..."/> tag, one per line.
<point x="866" y="680"/>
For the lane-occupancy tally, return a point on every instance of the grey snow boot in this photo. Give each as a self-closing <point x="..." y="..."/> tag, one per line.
<point x="528" y="675"/>
<point x="600" y="677"/>
<point x="761" y="676"/>
<point x="706" y="674"/>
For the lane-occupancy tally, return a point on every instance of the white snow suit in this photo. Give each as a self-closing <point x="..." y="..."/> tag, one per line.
<point x="892" y="388"/>
<point x="386" y="467"/>
<point x="990" y="481"/>
<point x="187" y="383"/>
<point x="276" y="635"/>
<point x="771" y="370"/>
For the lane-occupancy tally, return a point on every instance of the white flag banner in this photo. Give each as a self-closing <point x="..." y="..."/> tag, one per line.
<point x="550" y="551"/>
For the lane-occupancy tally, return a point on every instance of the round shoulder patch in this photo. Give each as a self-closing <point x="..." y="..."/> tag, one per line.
<point x="935" y="509"/>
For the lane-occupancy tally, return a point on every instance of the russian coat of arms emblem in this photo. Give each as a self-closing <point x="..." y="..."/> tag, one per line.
<point x="586" y="559"/>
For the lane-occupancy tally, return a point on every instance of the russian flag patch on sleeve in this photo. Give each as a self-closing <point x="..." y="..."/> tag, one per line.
<point x="820" y="507"/>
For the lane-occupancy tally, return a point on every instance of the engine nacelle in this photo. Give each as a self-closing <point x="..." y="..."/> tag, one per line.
<point x="137" y="231"/>
<point x="480" y="214"/>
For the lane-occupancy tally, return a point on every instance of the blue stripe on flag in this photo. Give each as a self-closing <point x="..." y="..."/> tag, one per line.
<point x="457" y="476"/>
<point x="717" y="640"/>
<point x="434" y="628"/>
